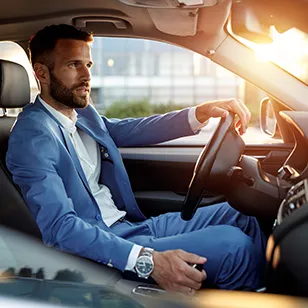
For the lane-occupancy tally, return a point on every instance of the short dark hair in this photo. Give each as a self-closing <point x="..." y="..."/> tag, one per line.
<point x="42" y="43"/>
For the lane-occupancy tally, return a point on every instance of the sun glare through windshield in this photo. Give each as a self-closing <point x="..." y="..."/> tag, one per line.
<point x="289" y="50"/>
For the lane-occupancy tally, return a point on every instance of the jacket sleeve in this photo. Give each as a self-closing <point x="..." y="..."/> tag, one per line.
<point x="32" y="159"/>
<point x="149" y="130"/>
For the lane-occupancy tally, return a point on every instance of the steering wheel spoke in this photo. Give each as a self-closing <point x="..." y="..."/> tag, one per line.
<point x="205" y="163"/>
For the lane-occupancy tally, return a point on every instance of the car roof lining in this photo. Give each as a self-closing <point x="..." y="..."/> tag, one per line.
<point x="206" y="33"/>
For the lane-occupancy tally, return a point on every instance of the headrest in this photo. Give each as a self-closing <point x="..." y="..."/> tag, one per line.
<point x="14" y="85"/>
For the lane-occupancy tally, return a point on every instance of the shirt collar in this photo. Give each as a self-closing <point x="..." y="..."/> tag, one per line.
<point x="67" y="123"/>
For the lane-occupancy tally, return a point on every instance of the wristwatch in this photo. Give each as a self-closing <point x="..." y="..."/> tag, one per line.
<point x="145" y="264"/>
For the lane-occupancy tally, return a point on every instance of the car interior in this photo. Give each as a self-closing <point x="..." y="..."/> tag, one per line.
<point x="264" y="180"/>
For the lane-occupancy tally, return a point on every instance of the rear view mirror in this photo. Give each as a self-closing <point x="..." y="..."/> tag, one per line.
<point x="268" y="120"/>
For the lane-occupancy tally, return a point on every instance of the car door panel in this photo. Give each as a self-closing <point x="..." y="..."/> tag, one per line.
<point x="154" y="203"/>
<point x="160" y="175"/>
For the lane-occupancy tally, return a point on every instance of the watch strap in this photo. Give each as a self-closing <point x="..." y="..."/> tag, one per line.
<point x="147" y="252"/>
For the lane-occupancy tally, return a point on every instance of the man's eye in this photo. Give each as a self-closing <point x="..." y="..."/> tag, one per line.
<point x="74" y="64"/>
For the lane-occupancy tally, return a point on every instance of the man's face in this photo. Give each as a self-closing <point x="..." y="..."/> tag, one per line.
<point x="70" y="77"/>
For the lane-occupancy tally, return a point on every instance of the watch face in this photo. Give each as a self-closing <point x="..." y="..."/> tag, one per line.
<point x="144" y="265"/>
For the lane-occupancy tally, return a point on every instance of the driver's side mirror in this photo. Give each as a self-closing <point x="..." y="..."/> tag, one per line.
<point x="268" y="120"/>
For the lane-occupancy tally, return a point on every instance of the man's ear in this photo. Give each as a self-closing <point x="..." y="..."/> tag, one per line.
<point x="42" y="73"/>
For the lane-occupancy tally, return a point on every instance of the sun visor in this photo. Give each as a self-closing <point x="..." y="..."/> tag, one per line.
<point x="175" y="22"/>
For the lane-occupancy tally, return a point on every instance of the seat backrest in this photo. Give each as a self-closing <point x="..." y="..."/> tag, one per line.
<point x="14" y="93"/>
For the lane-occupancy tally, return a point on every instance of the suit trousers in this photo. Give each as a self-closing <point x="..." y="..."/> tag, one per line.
<point x="233" y="243"/>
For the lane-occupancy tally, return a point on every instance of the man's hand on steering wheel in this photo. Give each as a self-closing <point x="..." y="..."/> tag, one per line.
<point x="224" y="134"/>
<point x="221" y="108"/>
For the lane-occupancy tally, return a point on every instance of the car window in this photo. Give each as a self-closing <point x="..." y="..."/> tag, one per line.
<point x="138" y="77"/>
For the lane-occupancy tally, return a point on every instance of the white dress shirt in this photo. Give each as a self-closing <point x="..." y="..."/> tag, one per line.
<point x="88" y="152"/>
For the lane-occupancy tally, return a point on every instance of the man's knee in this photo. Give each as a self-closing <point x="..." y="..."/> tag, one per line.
<point x="230" y="241"/>
<point x="230" y="236"/>
<point x="237" y="262"/>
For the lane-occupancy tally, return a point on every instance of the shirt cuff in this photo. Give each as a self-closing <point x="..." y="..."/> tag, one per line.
<point x="132" y="258"/>
<point x="195" y="125"/>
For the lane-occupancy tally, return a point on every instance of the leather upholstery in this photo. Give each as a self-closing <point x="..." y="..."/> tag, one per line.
<point x="14" y="85"/>
<point x="14" y="93"/>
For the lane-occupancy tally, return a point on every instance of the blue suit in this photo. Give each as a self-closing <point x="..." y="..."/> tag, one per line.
<point x="44" y="164"/>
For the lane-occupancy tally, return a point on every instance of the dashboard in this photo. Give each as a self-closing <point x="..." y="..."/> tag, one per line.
<point x="297" y="162"/>
<point x="295" y="168"/>
<point x="290" y="275"/>
<point x="267" y="194"/>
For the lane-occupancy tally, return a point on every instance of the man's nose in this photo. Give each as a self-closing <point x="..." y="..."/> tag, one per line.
<point x="86" y="74"/>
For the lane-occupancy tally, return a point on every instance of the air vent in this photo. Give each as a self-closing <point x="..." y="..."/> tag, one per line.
<point x="159" y="4"/>
<point x="296" y="198"/>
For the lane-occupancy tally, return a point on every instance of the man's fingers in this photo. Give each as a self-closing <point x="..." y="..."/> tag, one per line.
<point x="189" y="271"/>
<point x="244" y="114"/>
<point x="236" y="106"/>
<point x="221" y="109"/>
<point x="191" y="257"/>
<point x="218" y="112"/>
<point x="239" y="127"/>
<point x="248" y="113"/>
<point x="184" y="280"/>
<point x="173" y="273"/>
<point x="195" y="274"/>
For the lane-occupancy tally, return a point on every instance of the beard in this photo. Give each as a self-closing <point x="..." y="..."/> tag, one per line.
<point x="65" y="95"/>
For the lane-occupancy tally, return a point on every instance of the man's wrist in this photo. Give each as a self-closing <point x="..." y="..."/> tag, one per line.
<point x="201" y="117"/>
<point x="141" y="251"/>
<point x="195" y="125"/>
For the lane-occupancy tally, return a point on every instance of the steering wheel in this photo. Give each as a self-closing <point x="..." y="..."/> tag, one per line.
<point x="203" y="167"/>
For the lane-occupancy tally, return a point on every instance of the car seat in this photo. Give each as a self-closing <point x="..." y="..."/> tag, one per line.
<point x="14" y="93"/>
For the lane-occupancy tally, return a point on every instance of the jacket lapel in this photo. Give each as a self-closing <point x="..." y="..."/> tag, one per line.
<point x="69" y="145"/>
<point x="93" y="131"/>
<point x="72" y="151"/>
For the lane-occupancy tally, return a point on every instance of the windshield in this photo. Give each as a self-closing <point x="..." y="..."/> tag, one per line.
<point x="289" y="50"/>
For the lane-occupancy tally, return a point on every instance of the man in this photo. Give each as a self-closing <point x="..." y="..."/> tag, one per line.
<point x="64" y="157"/>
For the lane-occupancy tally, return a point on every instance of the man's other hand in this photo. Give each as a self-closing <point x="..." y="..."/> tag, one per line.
<point x="173" y="273"/>
<point x="221" y="108"/>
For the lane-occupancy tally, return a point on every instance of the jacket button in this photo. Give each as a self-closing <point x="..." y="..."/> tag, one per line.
<point x="98" y="217"/>
<point x="106" y="155"/>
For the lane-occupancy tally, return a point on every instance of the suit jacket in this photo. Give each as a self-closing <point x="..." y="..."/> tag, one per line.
<point x="44" y="164"/>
